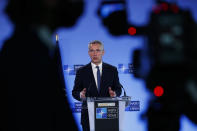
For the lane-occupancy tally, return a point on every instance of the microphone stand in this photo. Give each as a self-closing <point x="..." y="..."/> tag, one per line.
<point x="125" y="97"/>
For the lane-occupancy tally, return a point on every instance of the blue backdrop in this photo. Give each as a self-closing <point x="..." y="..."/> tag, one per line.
<point x="118" y="52"/>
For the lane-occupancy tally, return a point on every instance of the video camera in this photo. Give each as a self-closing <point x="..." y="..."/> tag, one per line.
<point x="114" y="16"/>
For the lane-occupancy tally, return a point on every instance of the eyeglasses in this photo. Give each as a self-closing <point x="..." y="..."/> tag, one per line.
<point x="97" y="51"/>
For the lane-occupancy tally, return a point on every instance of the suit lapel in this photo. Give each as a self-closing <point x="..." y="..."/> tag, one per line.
<point x="103" y="74"/>
<point x="92" y="80"/>
<point x="103" y="90"/>
<point x="90" y="74"/>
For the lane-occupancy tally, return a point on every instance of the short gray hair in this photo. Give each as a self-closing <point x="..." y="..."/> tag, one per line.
<point x="96" y="42"/>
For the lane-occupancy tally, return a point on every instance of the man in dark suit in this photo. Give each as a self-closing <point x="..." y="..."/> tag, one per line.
<point x="96" y="79"/>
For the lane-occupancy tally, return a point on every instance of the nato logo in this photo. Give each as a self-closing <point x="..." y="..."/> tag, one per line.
<point x="133" y="106"/>
<point x="126" y="69"/>
<point x="71" y="70"/>
<point x="101" y="113"/>
<point x="122" y="68"/>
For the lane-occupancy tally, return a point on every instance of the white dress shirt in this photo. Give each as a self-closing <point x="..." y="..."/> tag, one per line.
<point x="94" y="70"/>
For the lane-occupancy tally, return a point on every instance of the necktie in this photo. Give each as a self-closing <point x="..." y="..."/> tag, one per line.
<point x="98" y="77"/>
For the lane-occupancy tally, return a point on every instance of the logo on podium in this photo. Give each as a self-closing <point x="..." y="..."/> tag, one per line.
<point x="101" y="113"/>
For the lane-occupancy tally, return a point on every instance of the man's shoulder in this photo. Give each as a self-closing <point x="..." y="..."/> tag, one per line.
<point x="85" y="67"/>
<point x="109" y="66"/>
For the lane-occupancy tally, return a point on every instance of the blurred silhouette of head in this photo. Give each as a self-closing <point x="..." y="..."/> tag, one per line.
<point x="52" y="13"/>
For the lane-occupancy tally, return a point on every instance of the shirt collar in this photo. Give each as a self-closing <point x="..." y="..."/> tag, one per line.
<point x="100" y="65"/>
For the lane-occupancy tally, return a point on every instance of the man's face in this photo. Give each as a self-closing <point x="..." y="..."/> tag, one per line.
<point x="96" y="53"/>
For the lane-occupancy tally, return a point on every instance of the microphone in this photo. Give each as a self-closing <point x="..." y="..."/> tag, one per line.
<point x="124" y="90"/>
<point x="125" y="97"/>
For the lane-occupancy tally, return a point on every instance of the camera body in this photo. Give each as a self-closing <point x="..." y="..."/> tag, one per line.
<point x="114" y="16"/>
<point x="170" y="44"/>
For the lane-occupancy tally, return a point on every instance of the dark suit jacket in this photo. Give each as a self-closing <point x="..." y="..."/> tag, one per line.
<point x="85" y="79"/>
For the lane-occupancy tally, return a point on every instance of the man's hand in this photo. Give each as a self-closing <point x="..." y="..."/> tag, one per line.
<point x="112" y="93"/>
<point x="83" y="93"/>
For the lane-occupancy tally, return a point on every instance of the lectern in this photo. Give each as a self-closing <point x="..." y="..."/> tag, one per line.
<point x="106" y="113"/>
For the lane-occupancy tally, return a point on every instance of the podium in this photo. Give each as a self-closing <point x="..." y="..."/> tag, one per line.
<point x="106" y="113"/>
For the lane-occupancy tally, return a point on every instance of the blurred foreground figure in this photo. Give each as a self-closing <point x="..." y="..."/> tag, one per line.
<point x="171" y="50"/>
<point x="166" y="60"/>
<point x="32" y="83"/>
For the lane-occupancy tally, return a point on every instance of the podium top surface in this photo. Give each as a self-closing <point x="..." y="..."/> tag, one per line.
<point x="124" y="98"/>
